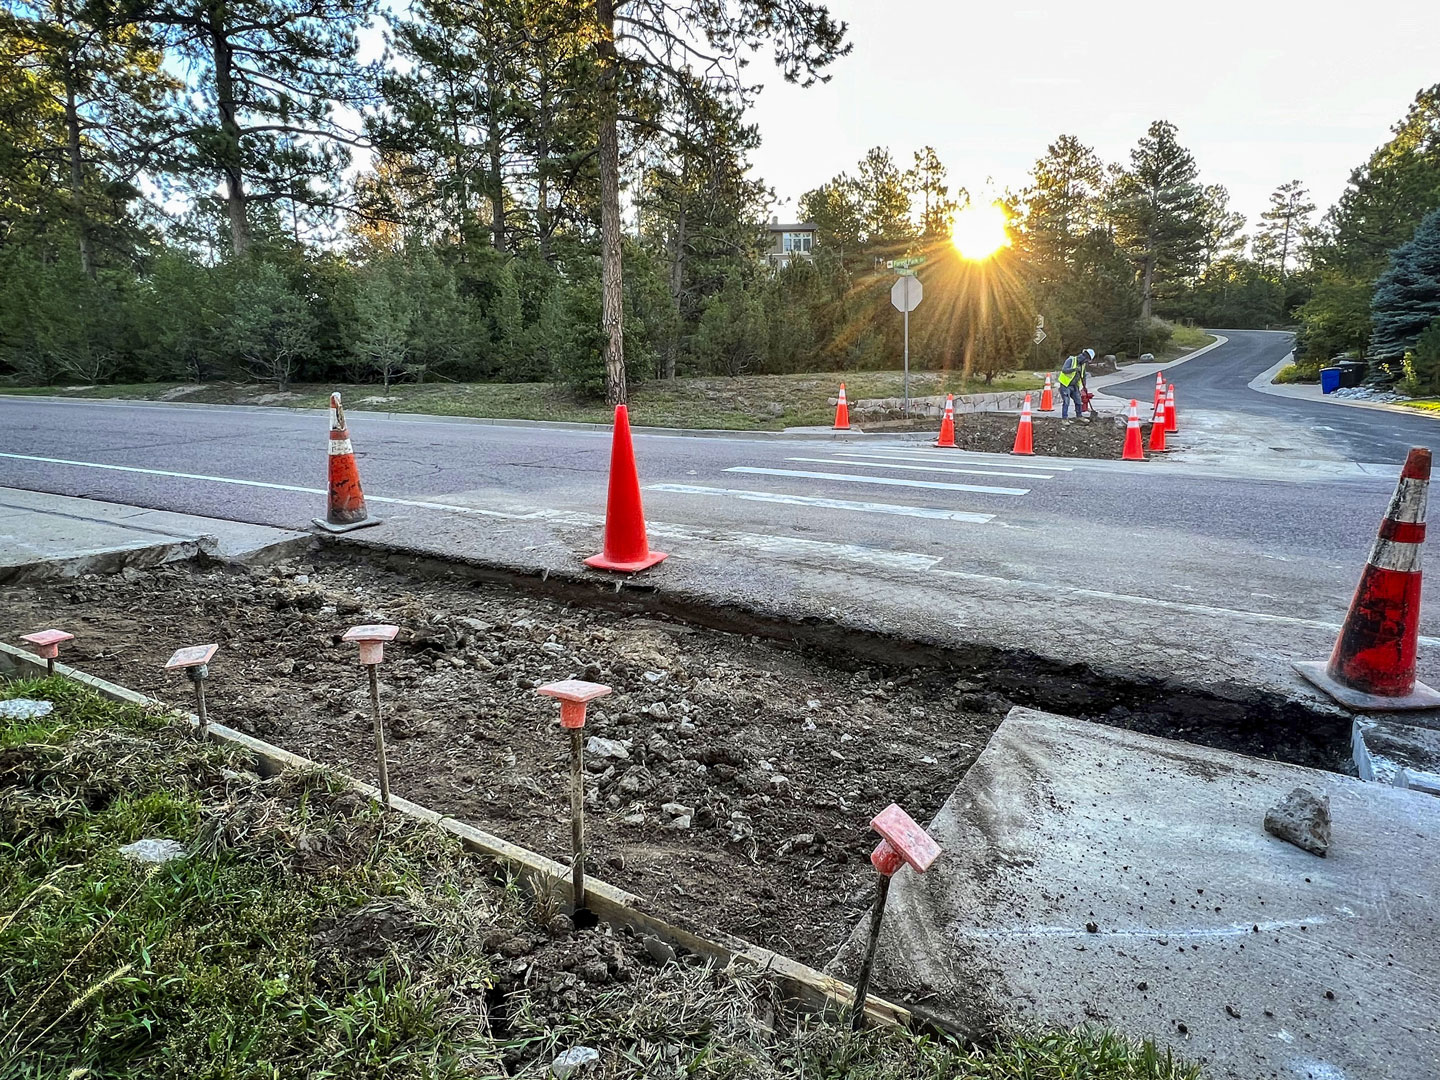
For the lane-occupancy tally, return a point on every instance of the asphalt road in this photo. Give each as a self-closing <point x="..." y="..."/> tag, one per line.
<point x="1219" y="381"/>
<point x="888" y="522"/>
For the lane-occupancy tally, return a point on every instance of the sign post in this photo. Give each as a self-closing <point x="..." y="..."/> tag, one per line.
<point x="905" y="295"/>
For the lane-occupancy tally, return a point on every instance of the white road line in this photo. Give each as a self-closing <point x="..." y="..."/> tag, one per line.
<point x="419" y="503"/>
<point x="828" y="504"/>
<point x="882" y="481"/>
<point x="956" y="456"/>
<point x="856" y="462"/>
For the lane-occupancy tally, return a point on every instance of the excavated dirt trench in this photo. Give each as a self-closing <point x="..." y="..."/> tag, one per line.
<point x="740" y="759"/>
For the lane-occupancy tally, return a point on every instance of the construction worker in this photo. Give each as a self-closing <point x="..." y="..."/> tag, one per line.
<point x="1072" y="383"/>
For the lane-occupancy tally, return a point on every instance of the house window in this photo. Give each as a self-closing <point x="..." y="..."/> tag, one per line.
<point x="798" y="242"/>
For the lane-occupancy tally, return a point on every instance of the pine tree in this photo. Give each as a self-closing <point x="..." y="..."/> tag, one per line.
<point x="1157" y="208"/>
<point x="927" y="179"/>
<point x="1407" y="295"/>
<point x="1062" y="205"/>
<point x="1224" y="228"/>
<point x="1285" y="222"/>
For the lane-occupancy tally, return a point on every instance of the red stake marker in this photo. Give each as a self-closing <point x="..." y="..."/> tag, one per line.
<point x="47" y="646"/>
<point x="575" y="695"/>
<point x="372" y="639"/>
<point x="903" y="843"/>
<point x="195" y="662"/>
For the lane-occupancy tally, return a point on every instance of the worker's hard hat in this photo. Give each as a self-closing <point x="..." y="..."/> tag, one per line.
<point x="1090" y="354"/>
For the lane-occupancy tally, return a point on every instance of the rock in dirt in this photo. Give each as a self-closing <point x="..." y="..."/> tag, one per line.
<point x="25" y="709"/>
<point x="599" y="747"/>
<point x="1303" y="819"/>
<point x="577" y="1061"/>
<point x="659" y="951"/>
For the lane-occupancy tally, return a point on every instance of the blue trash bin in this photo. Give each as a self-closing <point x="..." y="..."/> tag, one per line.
<point x="1329" y="380"/>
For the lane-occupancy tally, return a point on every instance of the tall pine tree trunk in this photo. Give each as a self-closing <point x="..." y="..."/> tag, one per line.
<point x="232" y="165"/>
<point x="1147" y="281"/>
<point x="77" y="180"/>
<point x="612" y="288"/>
<point x="497" y="158"/>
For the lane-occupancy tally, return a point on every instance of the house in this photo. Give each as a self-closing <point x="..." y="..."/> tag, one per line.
<point x="789" y="241"/>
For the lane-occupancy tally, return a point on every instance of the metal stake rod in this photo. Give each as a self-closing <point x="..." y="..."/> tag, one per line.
<point x="49" y="667"/>
<point x="197" y="676"/>
<point x="862" y="984"/>
<point x="379" y="734"/>
<point x="577" y="816"/>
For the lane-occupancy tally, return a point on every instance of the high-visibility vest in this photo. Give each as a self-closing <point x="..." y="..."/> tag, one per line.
<point x="1073" y="367"/>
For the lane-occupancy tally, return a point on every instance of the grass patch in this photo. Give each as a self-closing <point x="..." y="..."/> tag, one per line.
<point x="1430" y="405"/>
<point x="1189" y="338"/>
<point x="306" y="933"/>
<point x="1304" y="372"/>
<point x="746" y="402"/>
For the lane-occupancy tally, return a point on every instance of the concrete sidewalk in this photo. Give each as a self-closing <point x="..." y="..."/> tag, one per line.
<point x="47" y="537"/>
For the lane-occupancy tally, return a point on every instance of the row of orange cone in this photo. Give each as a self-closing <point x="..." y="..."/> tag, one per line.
<point x="1373" y="664"/>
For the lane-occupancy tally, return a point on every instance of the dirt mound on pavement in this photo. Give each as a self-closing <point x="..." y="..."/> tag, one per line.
<point x="994" y="433"/>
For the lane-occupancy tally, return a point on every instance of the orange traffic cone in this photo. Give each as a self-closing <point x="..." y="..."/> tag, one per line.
<point x="345" y="508"/>
<point x="842" y="412"/>
<point x="1373" y="663"/>
<point x="1170" y="424"/>
<point x="1159" y="390"/>
<point x="1025" y="434"/>
<point x="1157" y="435"/>
<point x="947" y="425"/>
<point x="627" y="548"/>
<point x="1047" y="398"/>
<point x="1134" y="447"/>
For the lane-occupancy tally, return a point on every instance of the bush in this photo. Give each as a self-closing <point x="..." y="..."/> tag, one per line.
<point x="1306" y="371"/>
<point x="1422" y="364"/>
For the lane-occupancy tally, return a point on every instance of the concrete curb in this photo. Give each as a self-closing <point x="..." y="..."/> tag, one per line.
<point x="813" y="988"/>
<point x="1132" y="371"/>
<point x="110" y="560"/>
<point x="1265" y="383"/>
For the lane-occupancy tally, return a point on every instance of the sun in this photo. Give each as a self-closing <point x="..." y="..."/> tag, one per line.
<point x="979" y="231"/>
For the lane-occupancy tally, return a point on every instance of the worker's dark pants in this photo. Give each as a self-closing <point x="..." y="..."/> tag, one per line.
<point x="1067" y="395"/>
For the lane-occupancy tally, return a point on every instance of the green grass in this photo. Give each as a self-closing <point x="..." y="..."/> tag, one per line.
<point x="1189" y="337"/>
<point x="1430" y="405"/>
<point x="747" y="402"/>
<point x="257" y="955"/>
<point x="1298" y="373"/>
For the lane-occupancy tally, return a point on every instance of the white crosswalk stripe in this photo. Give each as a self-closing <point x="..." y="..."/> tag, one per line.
<point x="857" y="463"/>
<point x="881" y="481"/>
<point x="827" y="504"/>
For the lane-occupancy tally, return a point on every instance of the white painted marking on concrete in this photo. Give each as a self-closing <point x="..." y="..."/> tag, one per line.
<point x="998" y="461"/>
<point x="419" y="503"/>
<point x="883" y="481"/>
<point x="856" y="462"/>
<point x="828" y="504"/>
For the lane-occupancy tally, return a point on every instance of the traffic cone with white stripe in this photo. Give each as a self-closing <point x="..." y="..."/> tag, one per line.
<point x="1134" y="446"/>
<point x="842" y="412"/>
<point x="1157" y="434"/>
<point x="1159" y="391"/>
<point x="947" y="425"/>
<point x="1170" y="424"/>
<point x="626" y="547"/>
<point x="1025" y="434"/>
<point x="1047" y="396"/>
<point x="345" y="506"/>
<point x="1373" y="663"/>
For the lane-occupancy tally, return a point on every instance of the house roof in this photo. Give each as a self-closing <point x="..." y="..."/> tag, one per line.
<point x="797" y="226"/>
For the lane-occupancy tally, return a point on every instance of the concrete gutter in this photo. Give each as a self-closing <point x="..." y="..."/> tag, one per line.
<point x="811" y="988"/>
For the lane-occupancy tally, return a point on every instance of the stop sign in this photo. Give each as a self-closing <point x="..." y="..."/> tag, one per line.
<point x="906" y="293"/>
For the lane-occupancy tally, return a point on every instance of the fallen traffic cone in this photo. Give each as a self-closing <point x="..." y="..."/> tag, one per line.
<point x="1047" y="398"/>
<point x="345" y="508"/>
<point x="1025" y="435"/>
<point x="842" y="412"/>
<point x="626" y="547"/>
<point x="947" y="425"/>
<point x="1373" y="663"/>
<point x="1170" y="424"/>
<point x="1134" y="448"/>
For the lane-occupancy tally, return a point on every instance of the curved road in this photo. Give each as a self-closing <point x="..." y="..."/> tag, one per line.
<point x="1220" y="380"/>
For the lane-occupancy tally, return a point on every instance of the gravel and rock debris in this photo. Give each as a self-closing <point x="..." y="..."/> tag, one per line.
<point x="730" y="780"/>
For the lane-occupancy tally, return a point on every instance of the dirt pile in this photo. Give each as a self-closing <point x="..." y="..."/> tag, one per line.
<point x="730" y="781"/>
<point x="994" y="433"/>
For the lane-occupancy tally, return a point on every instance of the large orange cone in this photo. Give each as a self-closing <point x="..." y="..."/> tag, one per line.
<point x="1025" y="434"/>
<point x="1157" y="434"/>
<point x="947" y="425"/>
<point x="627" y="549"/>
<point x="1159" y="391"/>
<point x="1047" y="397"/>
<point x="842" y="412"/>
<point x="1373" y="663"/>
<point x="345" y="507"/>
<point x="1134" y="446"/>
<point x="1170" y="424"/>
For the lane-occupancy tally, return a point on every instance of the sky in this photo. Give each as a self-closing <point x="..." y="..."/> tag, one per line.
<point x="1262" y="91"/>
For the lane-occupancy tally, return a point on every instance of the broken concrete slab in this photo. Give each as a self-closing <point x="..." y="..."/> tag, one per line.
<point x="45" y="537"/>
<point x="1097" y="875"/>
<point x="1405" y="755"/>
